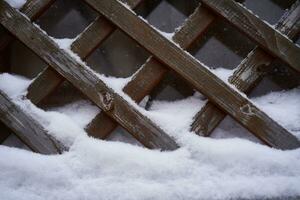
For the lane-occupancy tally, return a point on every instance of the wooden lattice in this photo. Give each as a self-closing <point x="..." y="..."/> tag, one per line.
<point x="223" y="99"/>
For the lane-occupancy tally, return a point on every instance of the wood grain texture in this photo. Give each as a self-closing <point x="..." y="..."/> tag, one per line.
<point x="32" y="9"/>
<point x="228" y="99"/>
<point x="248" y="74"/>
<point x="153" y="71"/>
<point x="35" y="8"/>
<point x="266" y="37"/>
<point x="26" y="128"/>
<point x="85" y="80"/>
<point x="45" y="83"/>
<point x="83" y="46"/>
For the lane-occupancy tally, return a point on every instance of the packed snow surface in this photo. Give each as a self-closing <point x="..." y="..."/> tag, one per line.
<point x="203" y="168"/>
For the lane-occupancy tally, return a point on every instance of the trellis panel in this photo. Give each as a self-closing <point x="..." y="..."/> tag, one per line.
<point x="85" y="80"/>
<point x="84" y="45"/>
<point x="248" y="74"/>
<point x="153" y="71"/>
<point x="266" y="36"/>
<point x="231" y="101"/>
<point x="166" y="55"/>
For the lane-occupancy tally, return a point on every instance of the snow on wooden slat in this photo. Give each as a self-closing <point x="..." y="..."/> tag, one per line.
<point x="32" y="9"/>
<point x="248" y="74"/>
<point x="259" y="31"/>
<point x="85" y="80"/>
<point x="227" y="98"/>
<point x="153" y="71"/>
<point x="30" y="131"/>
<point x="83" y="46"/>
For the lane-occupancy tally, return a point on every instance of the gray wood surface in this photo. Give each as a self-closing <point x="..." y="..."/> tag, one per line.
<point x="248" y="74"/>
<point x="228" y="99"/>
<point x="153" y="71"/>
<point x="83" y="46"/>
<point x="32" y="9"/>
<point x="85" y="80"/>
<point x="26" y="128"/>
<point x="266" y="37"/>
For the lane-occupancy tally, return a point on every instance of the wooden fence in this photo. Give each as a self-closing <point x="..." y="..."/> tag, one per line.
<point x="272" y="43"/>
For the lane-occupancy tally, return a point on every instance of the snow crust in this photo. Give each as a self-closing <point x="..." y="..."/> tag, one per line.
<point x="16" y="3"/>
<point x="203" y="168"/>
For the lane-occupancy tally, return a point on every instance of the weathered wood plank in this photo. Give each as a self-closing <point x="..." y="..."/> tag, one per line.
<point x="85" y="80"/>
<point x="32" y="9"/>
<point x="26" y="128"/>
<point x="83" y="46"/>
<point x="152" y="72"/>
<point x="267" y="37"/>
<point x="231" y="101"/>
<point x="248" y="74"/>
<point x="45" y="83"/>
<point x="35" y="8"/>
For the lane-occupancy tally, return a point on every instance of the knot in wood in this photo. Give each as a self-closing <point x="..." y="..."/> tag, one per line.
<point x="107" y="100"/>
<point x="247" y="109"/>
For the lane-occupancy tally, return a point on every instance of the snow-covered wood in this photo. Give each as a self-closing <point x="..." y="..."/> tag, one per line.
<point x="83" y="46"/>
<point x="30" y="131"/>
<point x="223" y="95"/>
<point x="267" y="37"/>
<point x="32" y="9"/>
<point x="153" y="71"/>
<point x="84" y="79"/>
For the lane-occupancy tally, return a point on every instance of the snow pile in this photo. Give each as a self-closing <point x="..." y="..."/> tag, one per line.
<point x="203" y="168"/>
<point x="284" y="107"/>
<point x="16" y="3"/>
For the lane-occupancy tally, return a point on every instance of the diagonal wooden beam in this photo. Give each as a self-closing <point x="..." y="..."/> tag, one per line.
<point x="153" y="71"/>
<point x="84" y="79"/>
<point x="83" y="46"/>
<point x="30" y="131"/>
<point x="32" y="9"/>
<point x="266" y="36"/>
<point x="248" y="74"/>
<point x="223" y="95"/>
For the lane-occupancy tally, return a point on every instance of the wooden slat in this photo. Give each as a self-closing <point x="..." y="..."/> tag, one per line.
<point x="35" y="8"/>
<point x="152" y="72"/>
<point x="45" y="83"/>
<point x="83" y="46"/>
<point x="248" y="74"/>
<point x="267" y="37"/>
<point x="26" y="128"/>
<point x="231" y="101"/>
<point x="85" y="80"/>
<point x="32" y="9"/>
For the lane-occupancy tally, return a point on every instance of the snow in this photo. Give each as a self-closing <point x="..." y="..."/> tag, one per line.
<point x="16" y="3"/>
<point x="203" y="168"/>
<point x="284" y="107"/>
